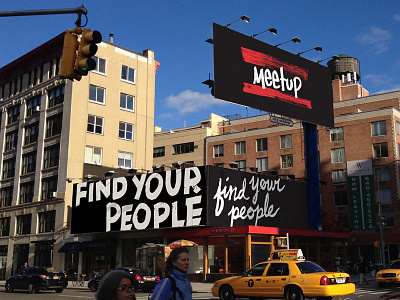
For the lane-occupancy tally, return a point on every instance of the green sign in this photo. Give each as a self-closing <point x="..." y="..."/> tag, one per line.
<point x="362" y="203"/>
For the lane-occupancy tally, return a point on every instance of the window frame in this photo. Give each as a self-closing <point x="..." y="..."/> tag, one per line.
<point x="288" y="163"/>
<point x="126" y="101"/>
<point x="218" y="150"/>
<point x="336" y="158"/>
<point x="127" y="75"/>
<point x="336" y="134"/>
<point x="340" y="177"/>
<point x="377" y="128"/>
<point x="95" y="125"/>
<point x="183" y="148"/>
<point x="125" y="131"/>
<point x="96" y="91"/>
<point x="97" y="69"/>
<point x="340" y="198"/>
<point x="262" y="144"/>
<point x="375" y="150"/>
<point x="56" y="96"/>
<point x="124" y="153"/>
<point x="286" y="141"/>
<point x="162" y="151"/>
<point x="261" y="162"/>
<point x="93" y="148"/>
<point x="240" y="148"/>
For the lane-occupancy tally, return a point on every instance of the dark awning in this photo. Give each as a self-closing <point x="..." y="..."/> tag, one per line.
<point x="73" y="247"/>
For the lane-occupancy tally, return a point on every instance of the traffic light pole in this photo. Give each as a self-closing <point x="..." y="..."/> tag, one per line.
<point x="79" y="10"/>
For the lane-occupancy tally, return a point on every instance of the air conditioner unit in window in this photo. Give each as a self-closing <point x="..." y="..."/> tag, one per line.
<point x="53" y="194"/>
<point x="37" y="108"/>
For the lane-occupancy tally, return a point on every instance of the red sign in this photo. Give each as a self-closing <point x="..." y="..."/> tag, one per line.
<point x="252" y="73"/>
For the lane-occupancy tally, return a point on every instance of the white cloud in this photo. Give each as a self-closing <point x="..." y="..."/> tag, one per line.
<point x="393" y="88"/>
<point x="189" y="102"/>
<point x="377" y="39"/>
<point x="378" y="79"/>
<point x="397" y="17"/>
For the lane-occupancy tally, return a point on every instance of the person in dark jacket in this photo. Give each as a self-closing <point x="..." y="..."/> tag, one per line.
<point x="362" y="269"/>
<point x="176" y="266"/>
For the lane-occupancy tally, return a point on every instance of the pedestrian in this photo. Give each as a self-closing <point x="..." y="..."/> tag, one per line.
<point x="175" y="285"/>
<point x="116" y="285"/>
<point x="362" y="269"/>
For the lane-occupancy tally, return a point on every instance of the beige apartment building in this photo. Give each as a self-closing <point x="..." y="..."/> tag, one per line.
<point x="183" y="146"/>
<point x="56" y="132"/>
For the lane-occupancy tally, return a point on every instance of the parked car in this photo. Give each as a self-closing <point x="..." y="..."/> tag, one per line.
<point x="141" y="279"/>
<point x="34" y="279"/>
<point x="287" y="275"/>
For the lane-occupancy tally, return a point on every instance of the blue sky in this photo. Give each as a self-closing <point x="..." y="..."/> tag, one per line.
<point x="176" y="31"/>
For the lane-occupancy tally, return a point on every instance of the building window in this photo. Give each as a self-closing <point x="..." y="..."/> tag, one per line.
<point x="54" y="125"/>
<point x="93" y="155"/>
<point x="240" y="148"/>
<point x="128" y="74"/>
<point x="13" y="114"/>
<point x="183" y="148"/>
<point x="219" y="165"/>
<point x="56" y="96"/>
<point x="337" y="134"/>
<point x="24" y="224"/>
<point x="287" y="161"/>
<point x="159" y="151"/>
<point x="49" y="186"/>
<point x="125" y="131"/>
<point x="218" y="150"/>
<point x="241" y="165"/>
<point x="9" y="168"/>
<point x="6" y="196"/>
<point x="378" y="128"/>
<point x="339" y="176"/>
<point x="286" y="141"/>
<point x="58" y="65"/>
<point x="95" y="124"/>
<point x="388" y="220"/>
<point x="26" y="192"/>
<point x="31" y="133"/>
<point x="51" y="66"/>
<point x="380" y="150"/>
<point x="341" y="198"/>
<point x="127" y="102"/>
<point x="47" y="221"/>
<point x="262" y="164"/>
<point x="97" y="94"/>
<point x="384" y="196"/>
<point x="11" y="140"/>
<point x="28" y="163"/>
<point x="398" y="128"/>
<point x="125" y="159"/>
<point x="338" y="155"/>
<point x="5" y="226"/>
<point x="51" y="156"/>
<point x="343" y="219"/>
<point x="33" y="105"/>
<point x="262" y="144"/>
<point x="100" y="65"/>
<point x="384" y="176"/>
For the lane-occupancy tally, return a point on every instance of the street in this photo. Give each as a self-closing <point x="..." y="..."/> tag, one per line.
<point x="370" y="292"/>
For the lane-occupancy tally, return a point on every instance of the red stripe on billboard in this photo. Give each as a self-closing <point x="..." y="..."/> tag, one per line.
<point x="271" y="93"/>
<point x="264" y="60"/>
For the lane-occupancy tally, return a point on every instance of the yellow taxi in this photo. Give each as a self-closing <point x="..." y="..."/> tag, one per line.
<point x="389" y="276"/>
<point x="286" y="275"/>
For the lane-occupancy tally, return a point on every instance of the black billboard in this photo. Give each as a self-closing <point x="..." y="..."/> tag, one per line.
<point x="196" y="196"/>
<point x="157" y="200"/>
<point x="255" y="74"/>
<point x="238" y="198"/>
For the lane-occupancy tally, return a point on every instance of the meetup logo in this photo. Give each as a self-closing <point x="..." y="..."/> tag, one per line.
<point x="274" y="78"/>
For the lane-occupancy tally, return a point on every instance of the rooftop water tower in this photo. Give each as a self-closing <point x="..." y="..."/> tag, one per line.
<point x="345" y="68"/>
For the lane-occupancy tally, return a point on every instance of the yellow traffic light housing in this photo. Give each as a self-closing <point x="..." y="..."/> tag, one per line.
<point x="87" y="49"/>
<point x="69" y="54"/>
<point x="77" y="58"/>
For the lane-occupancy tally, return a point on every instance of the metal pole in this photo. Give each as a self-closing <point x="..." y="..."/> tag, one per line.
<point x="78" y="10"/>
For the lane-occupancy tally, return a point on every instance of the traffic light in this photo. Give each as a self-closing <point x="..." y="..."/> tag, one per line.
<point x="87" y="48"/>
<point x="69" y="54"/>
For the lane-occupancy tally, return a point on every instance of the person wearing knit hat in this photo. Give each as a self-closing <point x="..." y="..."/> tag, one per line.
<point x="116" y="285"/>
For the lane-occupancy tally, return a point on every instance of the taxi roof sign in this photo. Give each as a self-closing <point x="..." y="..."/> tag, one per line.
<point x="287" y="254"/>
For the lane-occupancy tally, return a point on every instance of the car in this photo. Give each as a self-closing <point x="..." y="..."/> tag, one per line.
<point x="141" y="279"/>
<point x="34" y="279"/>
<point x="389" y="276"/>
<point x="286" y="275"/>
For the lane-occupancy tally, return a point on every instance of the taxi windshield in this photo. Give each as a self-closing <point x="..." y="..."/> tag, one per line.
<point x="395" y="265"/>
<point x="307" y="267"/>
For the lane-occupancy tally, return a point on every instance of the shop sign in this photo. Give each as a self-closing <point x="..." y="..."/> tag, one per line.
<point x="255" y="74"/>
<point x="361" y="194"/>
<point x="174" y="198"/>
<point x="242" y="199"/>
